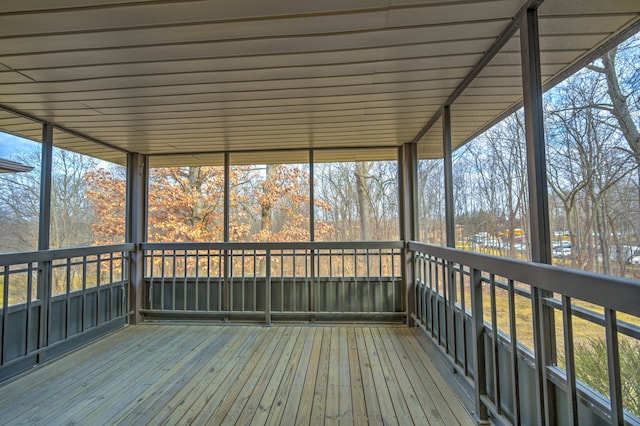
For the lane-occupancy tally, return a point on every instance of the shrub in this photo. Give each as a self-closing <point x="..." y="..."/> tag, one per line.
<point x="591" y="368"/>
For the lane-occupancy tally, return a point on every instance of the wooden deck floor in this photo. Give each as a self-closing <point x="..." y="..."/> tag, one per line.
<point x="214" y="374"/>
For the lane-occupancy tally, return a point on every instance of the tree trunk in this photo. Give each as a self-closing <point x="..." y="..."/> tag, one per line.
<point x="195" y="188"/>
<point x="266" y="208"/>
<point x="363" y="168"/>
<point x="604" y="240"/>
<point x="620" y="108"/>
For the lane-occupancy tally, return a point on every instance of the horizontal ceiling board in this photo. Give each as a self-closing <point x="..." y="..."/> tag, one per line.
<point x="492" y="91"/>
<point x="546" y="57"/>
<point x="211" y="63"/>
<point x="204" y="144"/>
<point x="19" y="6"/>
<point x="339" y="139"/>
<point x="196" y="14"/>
<point x="582" y="7"/>
<point x="181" y="160"/>
<point x="17" y="127"/>
<point x="285" y="97"/>
<point x="237" y="55"/>
<point x="460" y="120"/>
<point x="175" y="111"/>
<point x="274" y="157"/>
<point x="547" y="70"/>
<point x="98" y="154"/>
<point x="9" y="118"/>
<point x="28" y="101"/>
<point x="446" y="13"/>
<point x="171" y="13"/>
<point x="240" y="122"/>
<point x="277" y="157"/>
<point x="203" y="139"/>
<point x="465" y="99"/>
<point x="12" y="77"/>
<point x="184" y="89"/>
<point x="328" y="156"/>
<point x="571" y="25"/>
<point x="198" y="83"/>
<point x="491" y="81"/>
<point x="320" y="116"/>
<point x="196" y="33"/>
<point x="261" y="146"/>
<point x="456" y="65"/>
<point x="561" y="42"/>
<point x="404" y="125"/>
<point x="237" y="49"/>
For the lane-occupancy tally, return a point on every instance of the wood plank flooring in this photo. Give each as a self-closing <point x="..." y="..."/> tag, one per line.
<point x="234" y="374"/>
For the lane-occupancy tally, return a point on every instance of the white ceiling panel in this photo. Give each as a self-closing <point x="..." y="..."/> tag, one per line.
<point x="187" y="78"/>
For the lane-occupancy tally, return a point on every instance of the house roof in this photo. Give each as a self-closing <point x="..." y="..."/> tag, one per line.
<point x="7" y="166"/>
<point x="183" y="78"/>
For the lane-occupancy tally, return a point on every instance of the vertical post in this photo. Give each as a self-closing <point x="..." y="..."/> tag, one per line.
<point x="45" y="280"/>
<point x="312" y="196"/>
<point x="570" y="365"/>
<point x="227" y="221"/>
<point x="534" y="130"/>
<point x="311" y="283"/>
<point x="543" y="320"/>
<point x="407" y="170"/>
<point x="450" y="328"/>
<point x="267" y="289"/>
<point x="227" y="198"/>
<point x="137" y="185"/>
<point x="448" y="177"/>
<point x="44" y="233"/>
<point x="613" y="366"/>
<point x="478" y="352"/>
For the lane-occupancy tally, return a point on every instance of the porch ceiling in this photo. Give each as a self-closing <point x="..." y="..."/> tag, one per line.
<point x="178" y="77"/>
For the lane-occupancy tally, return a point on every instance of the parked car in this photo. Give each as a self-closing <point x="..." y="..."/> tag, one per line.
<point x="634" y="260"/>
<point x="561" y="252"/>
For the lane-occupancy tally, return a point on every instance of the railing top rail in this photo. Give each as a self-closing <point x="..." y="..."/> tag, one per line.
<point x="611" y="292"/>
<point x="64" y="253"/>
<point x="301" y="245"/>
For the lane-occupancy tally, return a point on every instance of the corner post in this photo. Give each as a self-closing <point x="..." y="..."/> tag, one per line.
<point x="136" y="230"/>
<point x="45" y="278"/>
<point x="226" y="294"/>
<point x="543" y="316"/>
<point x="450" y="226"/>
<point x="408" y="172"/>
<point x="448" y="177"/>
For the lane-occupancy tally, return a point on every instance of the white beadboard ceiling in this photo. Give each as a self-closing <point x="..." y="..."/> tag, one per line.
<point x="184" y="78"/>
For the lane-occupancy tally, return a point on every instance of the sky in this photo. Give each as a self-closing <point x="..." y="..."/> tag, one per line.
<point x="11" y="145"/>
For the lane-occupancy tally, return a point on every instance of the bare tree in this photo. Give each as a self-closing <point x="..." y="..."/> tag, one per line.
<point x="431" y="201"/>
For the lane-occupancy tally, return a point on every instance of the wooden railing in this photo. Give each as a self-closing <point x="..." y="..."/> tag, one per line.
<point x="512" y="327"/>
<point x="55" y="300"/>
<point x="265" y="281"/>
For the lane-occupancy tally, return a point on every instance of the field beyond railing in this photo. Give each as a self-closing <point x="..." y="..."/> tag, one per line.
<point x="553" y="344"/>
<point x="261" y="281"/>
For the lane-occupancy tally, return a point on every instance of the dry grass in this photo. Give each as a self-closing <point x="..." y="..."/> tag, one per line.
<point x="588" y="341"/>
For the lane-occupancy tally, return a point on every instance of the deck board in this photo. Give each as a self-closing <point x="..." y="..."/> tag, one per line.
<point x="238" y="374"/>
